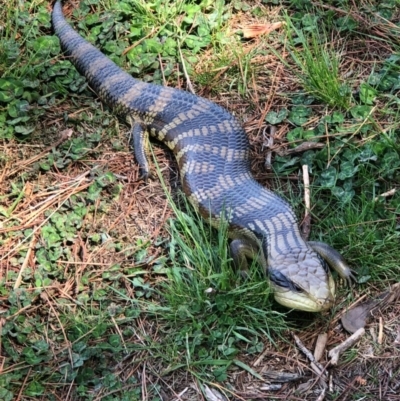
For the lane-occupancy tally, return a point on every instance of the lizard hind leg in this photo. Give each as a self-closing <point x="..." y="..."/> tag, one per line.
<point x="241" y="250"/>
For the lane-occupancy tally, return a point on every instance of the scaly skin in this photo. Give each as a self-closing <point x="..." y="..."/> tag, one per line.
<point x="212" y="151"/>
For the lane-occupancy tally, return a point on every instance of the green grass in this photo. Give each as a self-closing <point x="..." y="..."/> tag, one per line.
<point x="318" y="62"/>
<point x="102" y="297"/>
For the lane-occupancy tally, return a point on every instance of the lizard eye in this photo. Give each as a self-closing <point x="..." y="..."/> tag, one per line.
<point x="281" y="280"/>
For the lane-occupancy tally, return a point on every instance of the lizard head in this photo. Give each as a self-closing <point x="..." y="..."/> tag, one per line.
<point x="301" y="279"/>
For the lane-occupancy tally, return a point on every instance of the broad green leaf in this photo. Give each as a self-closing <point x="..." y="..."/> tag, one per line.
<point x="46" y="44"/>
<point x="299" y="115"/>
<point x="360" y="112"/>
<point x="295" y="134"/>
<point x="367" y="94"/>
<point x="327" y="179"/>
<point x="347" y="170"/>
<point x="343" y="195"/>
<point x="274" y="117"/>
<point x="34" y="389"/>
<point x="10" y="89"/>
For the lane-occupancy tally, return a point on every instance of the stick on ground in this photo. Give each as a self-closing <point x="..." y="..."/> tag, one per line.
<point x="335" y="352"/>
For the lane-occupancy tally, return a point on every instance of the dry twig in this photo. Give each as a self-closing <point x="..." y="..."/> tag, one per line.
<point x="334" y="353"/>
<point x="188" y="81"/>
<point x="315" y="365"/>
<point x="306" y="224"/>
<point x="26" y="262"/>
<point x="320" y="346"/>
